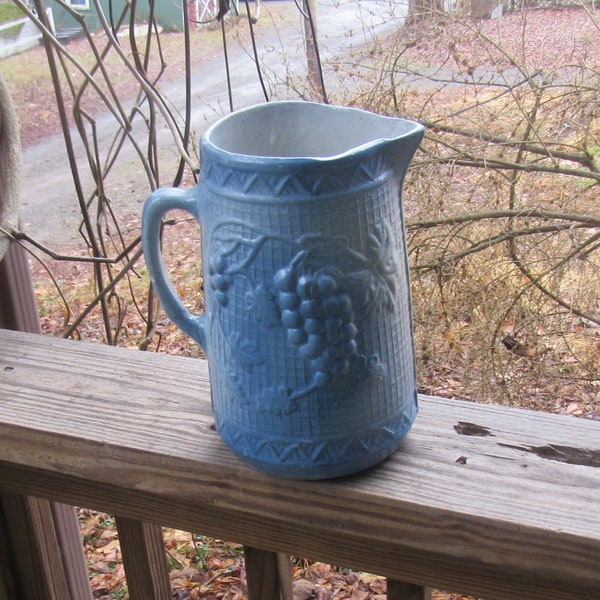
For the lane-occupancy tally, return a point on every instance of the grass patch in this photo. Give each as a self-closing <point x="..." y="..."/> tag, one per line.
<point x="10" y="12"/>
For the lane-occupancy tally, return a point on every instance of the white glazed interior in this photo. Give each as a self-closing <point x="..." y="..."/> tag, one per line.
<point x="303" y="130"/>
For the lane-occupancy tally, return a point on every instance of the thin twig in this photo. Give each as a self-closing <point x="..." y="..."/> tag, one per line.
<point x="21" y="236"/>
<point x="103" y="293"/>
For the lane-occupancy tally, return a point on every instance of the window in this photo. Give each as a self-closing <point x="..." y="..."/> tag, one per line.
<point x="79" y="4"/>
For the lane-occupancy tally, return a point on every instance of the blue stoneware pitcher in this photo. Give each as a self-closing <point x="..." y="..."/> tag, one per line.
<point x="307" y="314"/>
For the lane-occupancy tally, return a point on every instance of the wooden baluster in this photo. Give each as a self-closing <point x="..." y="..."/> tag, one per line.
<point x="8" y="583"/>
<point x="144" y="559"/>
<point x="268" y="575"/>
<point x="40" y="573"/>
<point x="284" y="564"/>
<point x="398" y="590"/>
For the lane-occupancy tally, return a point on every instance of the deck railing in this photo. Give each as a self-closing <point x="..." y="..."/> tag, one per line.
<point x="497" y="502"/>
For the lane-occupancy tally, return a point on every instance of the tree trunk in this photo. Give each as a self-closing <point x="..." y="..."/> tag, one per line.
<point x="309" y="22"/>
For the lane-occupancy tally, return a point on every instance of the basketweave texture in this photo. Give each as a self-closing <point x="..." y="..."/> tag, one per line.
<point x="337" y="234"/>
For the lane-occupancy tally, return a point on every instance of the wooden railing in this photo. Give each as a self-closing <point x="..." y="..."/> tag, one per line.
<point x="497" y="502"/>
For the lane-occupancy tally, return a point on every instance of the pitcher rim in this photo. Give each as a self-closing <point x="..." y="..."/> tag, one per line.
<point x="215" y="151"/>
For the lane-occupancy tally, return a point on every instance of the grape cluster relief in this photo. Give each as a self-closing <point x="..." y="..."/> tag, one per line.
<point x="321" y="297"/>
<point x="319" y="319"/>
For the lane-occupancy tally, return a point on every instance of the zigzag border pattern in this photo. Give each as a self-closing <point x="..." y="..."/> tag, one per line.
<point x="314" y="180"/>
<point x="309" y="454"/>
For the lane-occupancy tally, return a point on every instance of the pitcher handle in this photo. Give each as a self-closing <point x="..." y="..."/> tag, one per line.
<point x="156" y="206"/>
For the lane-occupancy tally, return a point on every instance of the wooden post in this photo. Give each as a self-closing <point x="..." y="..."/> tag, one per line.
<point x="43" y="537"/>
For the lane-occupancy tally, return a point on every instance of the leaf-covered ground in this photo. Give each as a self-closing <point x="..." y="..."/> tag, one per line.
<point x="540" y="38"/>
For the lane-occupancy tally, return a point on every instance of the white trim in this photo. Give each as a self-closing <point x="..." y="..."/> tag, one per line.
<point x="79" y="4"/>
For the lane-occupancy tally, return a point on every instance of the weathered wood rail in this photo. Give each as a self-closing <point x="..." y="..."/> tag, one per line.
<point x="501" y="503"/>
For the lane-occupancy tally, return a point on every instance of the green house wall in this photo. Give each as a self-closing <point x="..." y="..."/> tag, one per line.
<point x="168" y="14"/>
